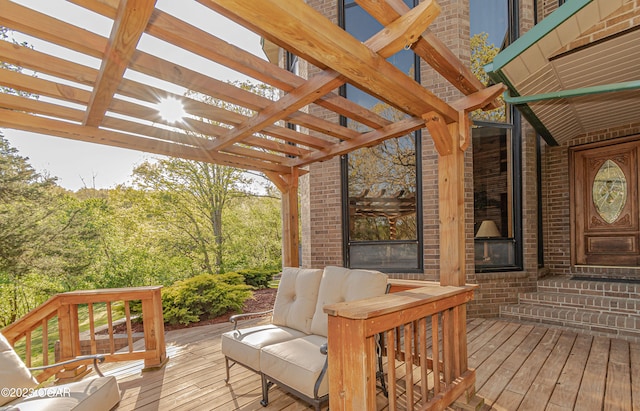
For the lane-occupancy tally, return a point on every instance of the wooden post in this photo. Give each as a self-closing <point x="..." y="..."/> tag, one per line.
<point x="288" y="186"/>
<point x="451" y="203"/>
<point x="352" y="366"/>
<point x="153" y="323"/>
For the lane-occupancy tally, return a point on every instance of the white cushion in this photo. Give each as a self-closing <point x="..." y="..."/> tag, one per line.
<point x="343" y="284"/>
<point x="13" y="372"/>
<point x="243" y="345"/>
<point x="297" y="364"/>
<point x="91" y="394"/>
<point x="296" y="298"/>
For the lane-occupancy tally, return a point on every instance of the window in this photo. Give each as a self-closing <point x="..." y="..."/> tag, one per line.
<point x="496" y="148"/>
<point x="382" y="227"/>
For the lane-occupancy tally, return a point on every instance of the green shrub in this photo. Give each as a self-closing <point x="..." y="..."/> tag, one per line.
<point x="257" y="278"/>
<point x="203" y="297"/>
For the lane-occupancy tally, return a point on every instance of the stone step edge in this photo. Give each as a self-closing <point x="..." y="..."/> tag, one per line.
<point x="613" y="289"/>
<point x="612" y="321"/>
<point x="555" y="300"/>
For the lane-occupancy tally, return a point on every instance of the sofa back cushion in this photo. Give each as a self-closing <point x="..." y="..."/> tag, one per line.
<point x="13" y="372"/>
<point x="296" y="298"/>
<point x="343" y="284"/>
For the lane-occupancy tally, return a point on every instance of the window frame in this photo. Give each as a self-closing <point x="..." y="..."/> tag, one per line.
<point x="344" y="174"/>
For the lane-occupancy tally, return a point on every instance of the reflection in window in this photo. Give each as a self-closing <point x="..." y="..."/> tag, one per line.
<point x="493" y="196"/>
<point x="380" y="181"/>
<point x="496" y="150"/>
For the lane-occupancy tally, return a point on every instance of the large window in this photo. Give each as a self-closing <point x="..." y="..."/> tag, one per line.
<point x="380" y="183"/>
<point x="496" y="147"/>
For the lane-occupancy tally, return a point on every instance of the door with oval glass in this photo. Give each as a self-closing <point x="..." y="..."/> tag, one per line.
<point x="604" y="204"/>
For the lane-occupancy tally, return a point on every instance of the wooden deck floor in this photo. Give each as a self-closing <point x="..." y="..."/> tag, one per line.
<point x="518" y="367"/>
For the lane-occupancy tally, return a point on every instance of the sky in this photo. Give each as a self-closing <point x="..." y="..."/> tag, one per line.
<point x="79" y="164"/>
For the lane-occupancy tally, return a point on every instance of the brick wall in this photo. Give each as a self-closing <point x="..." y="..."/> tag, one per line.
<point x="321" y="197"/>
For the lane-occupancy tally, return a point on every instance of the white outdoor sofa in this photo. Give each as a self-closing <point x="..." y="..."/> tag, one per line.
<point x="291" y="350"/>
<point x="91" y="394"/>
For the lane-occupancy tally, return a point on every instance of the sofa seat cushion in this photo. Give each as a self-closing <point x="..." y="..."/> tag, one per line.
<point x="13" y="372"/>
<point x="297" y="364"/>
<point x="296" y="298"/>
<point x="101" y="393"/>
<point x="342" y="285"/>
<point x="244" y="345"/>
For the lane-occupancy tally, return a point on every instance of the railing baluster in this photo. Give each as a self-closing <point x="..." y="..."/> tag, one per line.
<point x="408" y="363"/>
<point x="127" y="314"/>
<point x="112" y="346"/>
<point x="447" y="346"/>
<point x="75" y="330"/>
<point x="456" y="343"/>
<point x="391" y="369"/>
<point x="92" y="329"/>
<point x="424" y="369"/>
<point x="435" y="351"/>
<point x="45" y="342"/>
<point x="27" y="353"/>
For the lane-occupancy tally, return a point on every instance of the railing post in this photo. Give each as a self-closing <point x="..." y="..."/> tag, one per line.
<point x="69" y="336"/>
<point x="352" y="366"/>
<point x="65" y="334"/>
<point x="153" y="323"/>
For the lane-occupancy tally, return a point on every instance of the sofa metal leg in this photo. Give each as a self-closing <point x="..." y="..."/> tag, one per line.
<point x="265" y="390"/>
<point x="226" y="363"/>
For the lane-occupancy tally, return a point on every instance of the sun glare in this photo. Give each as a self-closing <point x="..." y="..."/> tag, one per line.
<point x="171" y="110"/>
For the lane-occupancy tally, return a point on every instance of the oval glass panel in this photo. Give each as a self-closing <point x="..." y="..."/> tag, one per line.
<point x="609" y="191"/>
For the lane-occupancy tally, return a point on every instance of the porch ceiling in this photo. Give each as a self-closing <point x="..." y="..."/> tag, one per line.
<point x="578" y="70"/>
<point x="104" y="106"/>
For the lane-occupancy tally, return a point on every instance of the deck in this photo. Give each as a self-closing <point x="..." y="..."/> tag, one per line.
<point x="518" y="366"/>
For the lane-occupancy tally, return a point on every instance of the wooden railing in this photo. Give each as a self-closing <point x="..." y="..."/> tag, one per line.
<point x="61" y="314"/>
<point x="421" y="333"/>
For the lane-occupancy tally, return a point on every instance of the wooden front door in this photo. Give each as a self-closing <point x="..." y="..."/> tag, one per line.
<point x="604" y="204"/>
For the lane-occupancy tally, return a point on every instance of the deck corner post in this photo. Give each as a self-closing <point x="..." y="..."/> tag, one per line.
<point x="352" y="377"/>
<point x="153" y="325"/>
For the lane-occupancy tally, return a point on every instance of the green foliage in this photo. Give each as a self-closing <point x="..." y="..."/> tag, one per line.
<point x="481" y="55"/>
<point x="183" y="219"/>
<point x="256" y="278"/>
<point x="203" y="297"/>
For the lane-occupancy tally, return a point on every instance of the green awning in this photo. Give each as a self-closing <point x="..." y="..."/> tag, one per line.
<point x="577" y="71"/>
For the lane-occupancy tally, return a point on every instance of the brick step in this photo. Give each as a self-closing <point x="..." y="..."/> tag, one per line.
<point x="594" y="303"/>
<point x="624" y="326"/>
<point x="566" y="285"/>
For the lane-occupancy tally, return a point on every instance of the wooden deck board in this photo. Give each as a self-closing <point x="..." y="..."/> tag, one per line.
<point x="518" y="367"/>
<point x="540" y="391"/>
<point x="566" y="390"/>
<point x="592" y="388"/>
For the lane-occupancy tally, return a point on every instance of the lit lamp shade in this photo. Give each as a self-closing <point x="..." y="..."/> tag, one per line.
<point x="488" y="229"/>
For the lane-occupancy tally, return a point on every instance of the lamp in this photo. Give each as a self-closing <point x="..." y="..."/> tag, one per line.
<point x="488" y="229"/>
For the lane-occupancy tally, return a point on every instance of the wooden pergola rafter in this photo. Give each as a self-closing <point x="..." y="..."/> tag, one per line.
<point x="261" y="140"/>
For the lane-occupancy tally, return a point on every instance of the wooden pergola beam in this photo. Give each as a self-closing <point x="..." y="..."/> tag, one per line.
<point x="388" y="41"/>
<point x="131" y="20"/>
<point x="27" y="122"/>
<point x="368" y="139"/>
<point x="429" y="47"/>
<point x="286" y="23"/>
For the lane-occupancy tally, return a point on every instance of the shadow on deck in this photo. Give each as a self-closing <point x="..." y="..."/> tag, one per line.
<point x="518" y="367"/>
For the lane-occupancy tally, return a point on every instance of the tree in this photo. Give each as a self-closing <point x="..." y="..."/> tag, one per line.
<point x="191" y="196"/>
<point x="481" y="55"/>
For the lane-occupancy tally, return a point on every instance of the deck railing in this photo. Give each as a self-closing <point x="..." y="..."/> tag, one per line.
<point x="421" y="333"/>
<point x="61" y="313"/>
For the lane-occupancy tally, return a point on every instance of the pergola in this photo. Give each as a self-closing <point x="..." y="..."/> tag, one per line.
<point x="105" y="106"/>
<point x="262" y="141"/>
